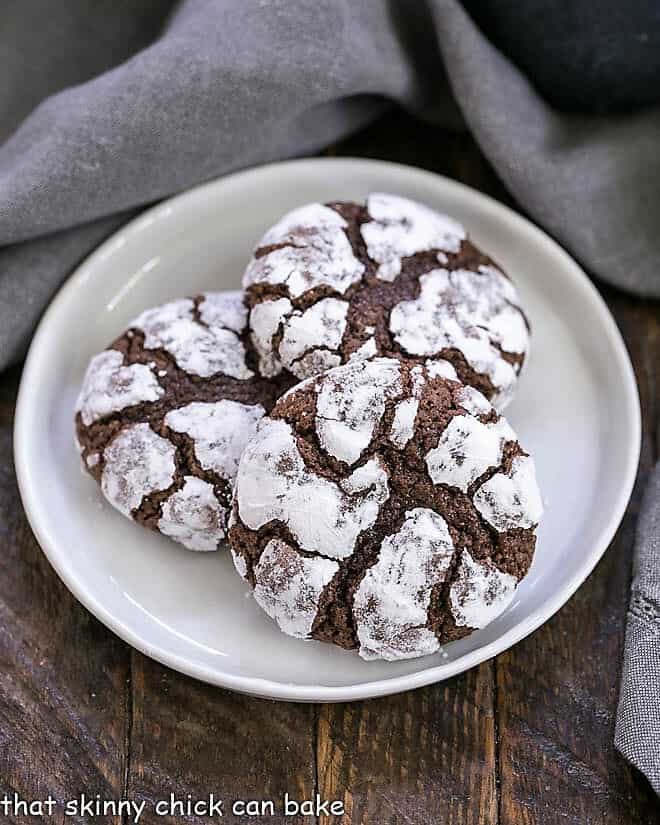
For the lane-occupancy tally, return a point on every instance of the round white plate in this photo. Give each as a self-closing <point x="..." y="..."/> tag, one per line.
<point x="576" y="411"/>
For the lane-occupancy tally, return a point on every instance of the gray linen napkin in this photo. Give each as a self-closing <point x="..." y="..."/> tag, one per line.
<point x="104" y="109"/>
<point x="637" y="733"/>
<point x="104" y="112"/>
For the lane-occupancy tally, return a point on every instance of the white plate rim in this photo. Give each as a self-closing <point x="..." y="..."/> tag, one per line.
<point x="267" y="688"/>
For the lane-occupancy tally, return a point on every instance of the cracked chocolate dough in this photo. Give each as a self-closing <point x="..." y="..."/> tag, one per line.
<point x="328" y="283"/>
<point x="165" y="412"/>
<point x="385" y="507"/>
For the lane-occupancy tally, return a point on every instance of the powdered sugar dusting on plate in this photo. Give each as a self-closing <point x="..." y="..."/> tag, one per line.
<point x="390" y="606"/>
<point x="400" y="228"/>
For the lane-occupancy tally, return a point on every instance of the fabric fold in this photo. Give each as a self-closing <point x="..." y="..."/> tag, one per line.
<point x="637" y="734"/>
<point x="591" y="181"/>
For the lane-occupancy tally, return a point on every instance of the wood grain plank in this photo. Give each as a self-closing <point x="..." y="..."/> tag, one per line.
<point x="63" y="720"/>
<point x="192" y="738"/>
<point x="558" y="690"/>
<point x="425" y="756"/>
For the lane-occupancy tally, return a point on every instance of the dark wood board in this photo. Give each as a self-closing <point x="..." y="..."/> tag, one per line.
<point x="525" y="738"/>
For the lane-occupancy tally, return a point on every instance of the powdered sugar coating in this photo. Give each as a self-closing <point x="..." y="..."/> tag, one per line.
<point x="109" y="386"/>
<point x="510" y="500"/>
<point x="224" y="309"/>
<point x="197" y="348"/>
<point x="390" y="607"/>
<point x="351" y="402"/>
<point x="472" y="312"/>
<point x="400" y="228"/>
<point x="193" y="516"/>
<point x="239" y="562"/>
<point x="220" y="430"/>
<point x="476" y="404"/>
<point x="137" y="462"/>
<point x="312" y="250"/>
<point x="480" y="592"/>
<point x="273" y="484"/>
<point x="316" y="362"/>
<point x="403" y="423"/>
<point x="466" y="449"/>
<point x="366" y="350"/>
<point x="288" y="586"/>
<point x="368" y="477"/>
<point x="438" y="367"/>
<point x="265" y="321"/>
<point x="473" y="402"/>
<point x="313" y="332"/>
<point x="405" y="413"/>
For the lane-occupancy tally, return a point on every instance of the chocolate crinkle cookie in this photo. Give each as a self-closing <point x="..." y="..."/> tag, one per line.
<point x="384" y="507"/>
<point x="329" y="283"/>
<point x="165" y="412"/>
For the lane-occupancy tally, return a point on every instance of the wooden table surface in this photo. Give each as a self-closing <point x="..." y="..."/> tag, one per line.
<point x="524" y="738"/>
